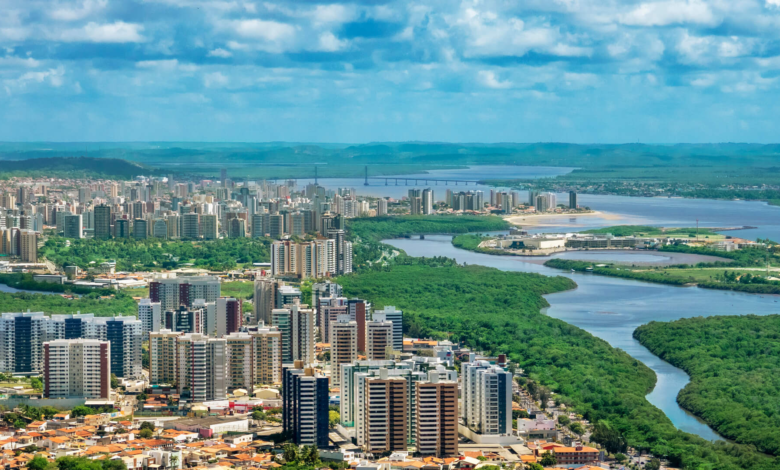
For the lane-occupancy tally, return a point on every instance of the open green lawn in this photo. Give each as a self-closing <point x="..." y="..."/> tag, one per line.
<point x="238" y="289"/>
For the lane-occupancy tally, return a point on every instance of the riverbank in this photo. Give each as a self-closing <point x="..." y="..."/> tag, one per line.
<point x="610" y="309"/>
<point x="706" y="278"/>
<point x="721" y="355"/>
<point x="538" y="220"/>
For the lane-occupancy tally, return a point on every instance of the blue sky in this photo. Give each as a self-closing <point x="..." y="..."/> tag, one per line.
<point x="444" y="70"/>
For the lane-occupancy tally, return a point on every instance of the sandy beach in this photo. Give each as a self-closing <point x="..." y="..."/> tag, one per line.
<point x="557" y="220"/>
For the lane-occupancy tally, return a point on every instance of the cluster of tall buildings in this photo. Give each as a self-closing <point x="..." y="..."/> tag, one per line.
<point x="34" y="344"/>
<point x="312" y="259"/>
<point x="542" y="202"/>
<point x="421" y="202"/>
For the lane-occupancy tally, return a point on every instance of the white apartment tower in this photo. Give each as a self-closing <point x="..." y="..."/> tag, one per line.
<point x="77" y="368"/>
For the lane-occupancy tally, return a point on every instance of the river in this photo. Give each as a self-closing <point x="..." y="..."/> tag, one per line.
<point x="612" y="308"/>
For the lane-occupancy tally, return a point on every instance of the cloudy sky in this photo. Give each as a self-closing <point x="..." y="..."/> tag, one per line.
<point x="447" y="70"/>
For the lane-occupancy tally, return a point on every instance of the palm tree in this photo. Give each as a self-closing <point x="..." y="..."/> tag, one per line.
<point x="174" y="460"/>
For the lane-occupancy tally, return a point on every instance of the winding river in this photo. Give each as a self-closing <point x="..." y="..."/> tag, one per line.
<point x="613" y="308"/>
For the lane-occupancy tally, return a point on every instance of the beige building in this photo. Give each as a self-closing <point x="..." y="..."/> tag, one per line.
<point x="436" y="417"/>
<point x="343" y="347"/>
<point x="162" y="357"/>
<point x="379" y="340"/>
<point x="386" y="415"/>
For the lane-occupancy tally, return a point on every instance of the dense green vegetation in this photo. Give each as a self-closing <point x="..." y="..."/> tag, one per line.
<point x="120" y="304"/>
<point x="649" y="231"/>
<point x="25" y="281"/>
<point x="498" y="312"/>
<point x="153" y="254"/>
<point x="369" y="231"/>
<point x="471" y="242"/>
<point x="734" y="364"/>
<point x="72" y="167"/>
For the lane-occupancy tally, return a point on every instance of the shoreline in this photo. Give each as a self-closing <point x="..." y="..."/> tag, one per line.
<point x="536" y="220"/>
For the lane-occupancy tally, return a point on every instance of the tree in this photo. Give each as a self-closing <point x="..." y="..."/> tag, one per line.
<point x="38" y="462"/>
<point x="577" y="428"/>
<point x="147" y="425"/>
<point x="620" y="457"/>
<point x="141" y="396"/>
<point x="36" y="383"/>
<point x="258" y="414"/>
<point x="548" y="459"/>
<point x="290" y="453"/>
<point x="653" y="464"/>
<point x="19" y="424"/>
<point x="82" y="410"/>
<point x="174" y="460"/>
<point x="534" y="466"/>
<point x="146" y="433"/>
<point x="333" y="418"/>
<point x="114" y="381"/>
<point x="564" y="420"/>
<point x="611" y="439"/>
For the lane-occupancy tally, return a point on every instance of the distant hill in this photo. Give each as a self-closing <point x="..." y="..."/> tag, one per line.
<point x="73" y="167"/>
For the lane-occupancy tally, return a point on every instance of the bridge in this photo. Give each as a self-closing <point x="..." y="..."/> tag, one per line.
<point x="404" y="181"/>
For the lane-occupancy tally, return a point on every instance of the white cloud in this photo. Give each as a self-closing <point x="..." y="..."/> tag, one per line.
<point x="773" y="3"/>
<point x="335" y="13"/>
<point x="117" y="32"/>
<point x="669" y="12"/>
<point x="271" y="36"/>
<point x="328" y="42"/>
<point x="489" y="79"/>
<point x="490" y="34"/>
<point x="580" y="80"/>
<point x="14" y="62"/>
<point x="219" y="52"/>
<point x="215" y="80"/>
<point x="166" y="65"/>
<point x="73" y="13"/>
<point x="53" y="76"/>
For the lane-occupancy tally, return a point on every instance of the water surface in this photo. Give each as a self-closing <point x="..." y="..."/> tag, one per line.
<point x="612" y="308"/>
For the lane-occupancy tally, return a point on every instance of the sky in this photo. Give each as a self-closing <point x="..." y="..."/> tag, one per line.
<point x="585" y="71"/>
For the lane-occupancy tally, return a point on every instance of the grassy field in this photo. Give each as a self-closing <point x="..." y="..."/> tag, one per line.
<point x="238" y="289"/>
<point x="649" y="231"/>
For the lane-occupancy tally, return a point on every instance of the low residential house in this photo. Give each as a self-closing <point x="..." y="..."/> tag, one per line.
<point x="178" y="436"/>
<point x="9" y="444"/>
<point x="39" y="426"/>
<point x="56" y="442"/>
<point x="61" y="416"/>
<point x="579" y="455"/>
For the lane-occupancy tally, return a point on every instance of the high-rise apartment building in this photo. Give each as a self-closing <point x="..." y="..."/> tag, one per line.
<point x="140" y="229"/>
<point x="381" y="207"/>
<point x="343" y="347"/>
<point x="160" y="228"/>
<point x="77" y="368"/>
<point x="436" y="417"/>
<point x="171" y="293"/>
<point x="73" y="226"/>
<point x="122" y="228"/>
<point x="150" y="315"/>
<point x="202" y="367"/>
<point x="102" y="222"/>
<point x="486" y="398"/>
<point x="190" y="225"/>
<point x="358" y="310"/>
<point x="427" y="201"/>
<point x="21" y="342"/>
<point x="209" y="226"/>
<point x="28" y="246"/>
<point x="386" y="414"/>
<point x="379" y="339"/>
<point x="186" y="320"/>
<point x="572" y="200"/>
<point x="296" y="324"/>
<point x="229" y="316"/>
<point x="394" y="316"/>
<point x="264" y="299"/>
<point x="305" y="406"/>
<point x="162" y="357"/>
<point x="328" y="313"/>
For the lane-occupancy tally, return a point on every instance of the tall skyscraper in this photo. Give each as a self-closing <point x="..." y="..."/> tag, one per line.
<point x="73" y="226"/>
<point x="202" y="363"/>
<point x="394" y="316"/>
<point x="150" y="315"/>
<point x="264" y="299"/>
<point x="343" y="347"/>
<point x="102" y="222"/>
<point x="427" y="201"/>
<point x="296" y="324"/>
<point x="210" y="226"/>
<point x="436" y="417"/>
<point x="77" y="368"/>
<point x="140" y="229"/>
<point x="305" y="406"/>
<point x="28" y="246"/>
<point x="379" y="338"/>
<point x="122" y="228"/>
<point x="486" y="398"/>
<point x="229" y="316"/>
<point x="386" y="414"/>
<point x="171" y="293"/>
<point x="381" y="207"/>
<point x="163" y="360"/>
<point x="21" y="342"/>
<point x="190" y="225"/>
<point x="572" y="200"/>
